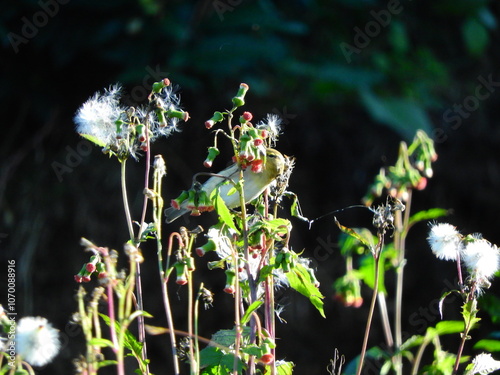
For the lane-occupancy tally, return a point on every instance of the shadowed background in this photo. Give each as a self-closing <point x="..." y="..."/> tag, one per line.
<point x="350" y="79"/>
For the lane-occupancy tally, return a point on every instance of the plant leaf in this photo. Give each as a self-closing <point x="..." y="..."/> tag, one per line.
<point x="253" y="307"/>
<point x="433" y="213"/>
<point x="354" y="234"/>
<point x="488" y="345"/>
<point x="300" y="280"/>
<point x="222" y="210"/>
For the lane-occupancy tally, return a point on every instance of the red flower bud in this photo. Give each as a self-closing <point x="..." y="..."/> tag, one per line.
<point x="267" y="359"/>
<point x="78" y="278"/>
<point x="258" y="142"/>
<point x="90" y="267"/>
<point x="257" y="165"/>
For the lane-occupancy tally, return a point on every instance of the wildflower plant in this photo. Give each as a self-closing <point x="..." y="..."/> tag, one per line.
<point x="29" y="342"/>
<point x="250" y="240"/>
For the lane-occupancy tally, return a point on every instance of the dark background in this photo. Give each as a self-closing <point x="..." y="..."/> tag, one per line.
<point x="344" y="116"/>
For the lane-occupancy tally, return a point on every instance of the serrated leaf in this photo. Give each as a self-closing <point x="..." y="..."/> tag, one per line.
<point x="248" y="313"/>
<point x="300" y="280"/>
<point x="469" y="312"/>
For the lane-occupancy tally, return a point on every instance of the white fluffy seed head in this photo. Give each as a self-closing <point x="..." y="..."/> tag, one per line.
<point x="483" y="364"/>
<point x="445" y="241"/>
<point x="37" y="341"/>
<point x="481" y="259"/>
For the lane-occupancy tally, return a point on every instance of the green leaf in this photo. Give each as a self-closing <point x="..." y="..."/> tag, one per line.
<point x="107" y="362"/>
<point x="93" y="139"/>
<point x="216" y="362"/>
<point x="295" y="209"/>
<point x="402" y="115"/>
<point x="433" y="213"/>
<point x="354" y="234"/>
<point x="284" y="368"/>
<point x="449" y="327"/>
<point x="102" y="343"/>
<point x="300" y="280"/>
<point x="488" y="345"/>
<point x="253" y="307"/>
<point x="222" y="210"/>
<point x="475" y="36"/>
<point x="469" y="312"/>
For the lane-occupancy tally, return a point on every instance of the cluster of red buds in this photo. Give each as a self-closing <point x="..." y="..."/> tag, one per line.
<point x="195" y="199"/>
<point x="93" y="266"/>
<point x="348" y="291"/>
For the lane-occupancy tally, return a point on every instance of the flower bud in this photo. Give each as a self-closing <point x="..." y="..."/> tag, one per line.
<point x="247" y="116"/>
<point x="257" y="165"/>
<point x="158" y="86"/>
<point x="173" y="113"/>
<point x="209" y="246"/>
<point x="176" y="203"/>
<point x="212" y="153"/>
<point x="217" y="117"/>
<point x="230" y="281"/>
<point x="239" y="99"/>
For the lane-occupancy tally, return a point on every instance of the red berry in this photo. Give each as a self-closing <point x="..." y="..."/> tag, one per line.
<point x="102" y="275"/>
<point x="207" y="163"/>
<point x="247" y="116"/>
<point x="78" y="278"/>
<point x="267" y="359"/>
<point x="264" y="133"/>
<point x="209" y="124"/>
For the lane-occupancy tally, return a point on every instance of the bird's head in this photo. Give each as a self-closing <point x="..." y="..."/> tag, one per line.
<point x="275" y="163"/>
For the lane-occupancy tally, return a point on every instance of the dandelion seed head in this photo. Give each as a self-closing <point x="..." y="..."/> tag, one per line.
<point x="445" y="241"/>
<point x="97" y="116"/>
<point x="37" y="341"/>
<point x="483" y="364"/>
<point x="272" y="124"/>
<point x="481" y="259"/>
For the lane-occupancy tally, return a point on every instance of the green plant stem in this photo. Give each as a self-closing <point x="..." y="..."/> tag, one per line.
<point x="372" y="304"/>
<point x="401" y="229"/>
<point x="125" y="199"/>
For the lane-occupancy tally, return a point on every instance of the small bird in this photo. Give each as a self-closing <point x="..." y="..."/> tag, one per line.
<point x="254" y="183"/>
